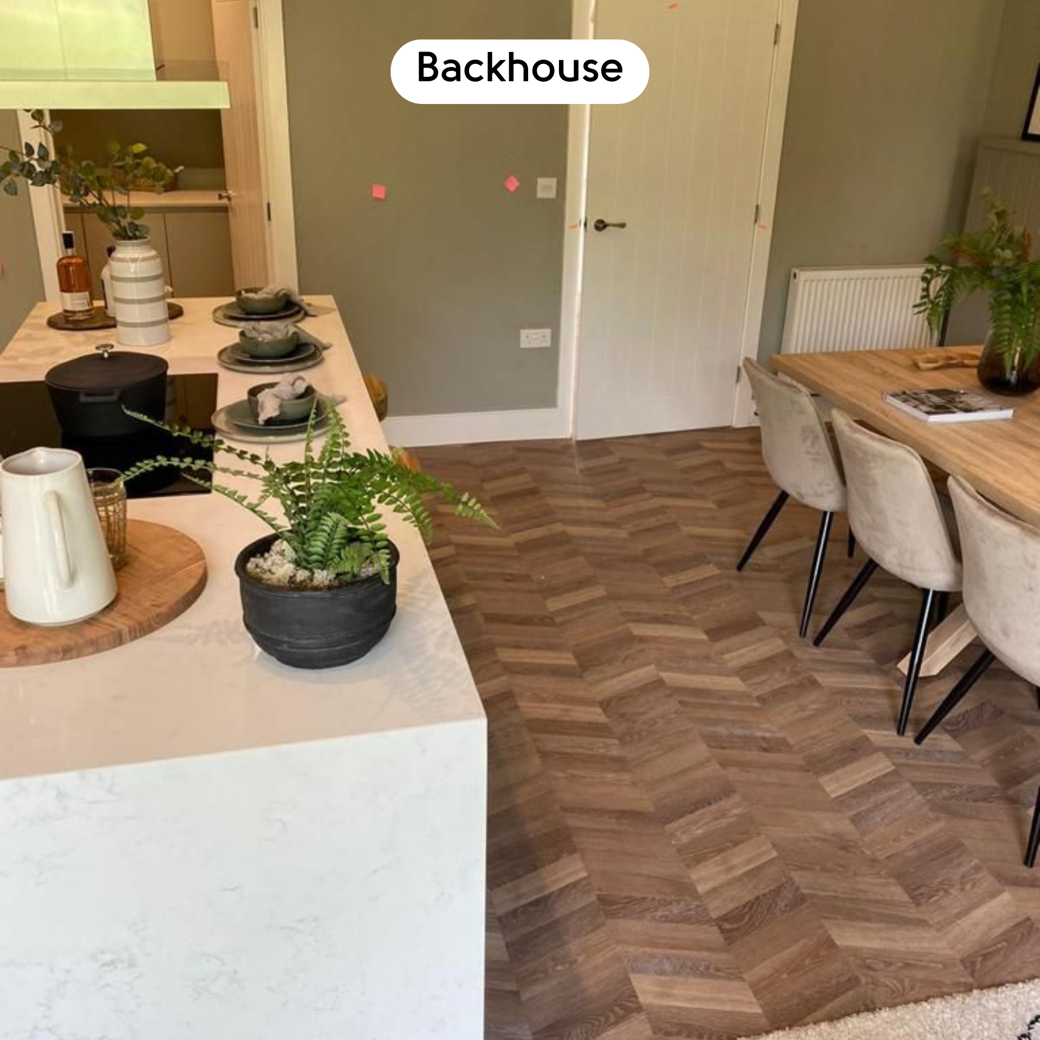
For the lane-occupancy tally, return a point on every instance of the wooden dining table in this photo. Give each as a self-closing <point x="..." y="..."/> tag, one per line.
<point x="1000" y="459"/>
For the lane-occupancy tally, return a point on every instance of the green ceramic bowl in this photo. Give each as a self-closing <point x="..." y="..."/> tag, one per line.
<point x="296" y="410"/>
<point x="268" y="348"/>
<point x="250" y="303"/>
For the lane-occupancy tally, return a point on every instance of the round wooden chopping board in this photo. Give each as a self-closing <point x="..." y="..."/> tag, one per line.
<point x="165" y="573"/>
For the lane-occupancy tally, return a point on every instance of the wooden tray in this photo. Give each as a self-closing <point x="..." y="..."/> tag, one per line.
<point x="164" y="575"/>
<point x="100" y="321"/>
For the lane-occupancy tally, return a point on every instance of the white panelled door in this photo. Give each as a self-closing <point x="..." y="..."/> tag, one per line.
<point x="665" y="295"/>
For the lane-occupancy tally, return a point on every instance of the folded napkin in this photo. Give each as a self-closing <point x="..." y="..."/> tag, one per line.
<point x="288" y="388"/>
<point x="308" y="337"/>
<point x="265" y="330"/>
<point x="277" y="290"/>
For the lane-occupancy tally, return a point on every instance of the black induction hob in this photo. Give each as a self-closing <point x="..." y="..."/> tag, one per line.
<point x="27" y="420"/>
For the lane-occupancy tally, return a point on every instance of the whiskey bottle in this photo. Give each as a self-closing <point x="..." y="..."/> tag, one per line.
<point x="74" y="282"/>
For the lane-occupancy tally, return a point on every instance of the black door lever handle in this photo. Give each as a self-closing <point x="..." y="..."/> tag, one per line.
<point x="602" y="225"/>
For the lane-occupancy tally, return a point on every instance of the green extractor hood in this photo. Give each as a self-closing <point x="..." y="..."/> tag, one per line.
<point x="89" y="54"/>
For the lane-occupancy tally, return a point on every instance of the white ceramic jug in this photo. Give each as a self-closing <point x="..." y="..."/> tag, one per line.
<point x="56" y="564"/>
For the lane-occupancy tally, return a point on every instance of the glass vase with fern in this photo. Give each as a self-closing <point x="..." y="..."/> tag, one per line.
<point x="997" y="260"/>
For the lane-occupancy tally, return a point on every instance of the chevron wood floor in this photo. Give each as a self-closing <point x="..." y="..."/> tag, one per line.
<point x="699" y="825"/>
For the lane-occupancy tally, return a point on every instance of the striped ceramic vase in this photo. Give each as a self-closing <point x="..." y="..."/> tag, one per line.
<point x="139" y="293"/>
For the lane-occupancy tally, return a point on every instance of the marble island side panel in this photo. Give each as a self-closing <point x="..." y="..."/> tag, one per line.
<point x="327" y="890"/>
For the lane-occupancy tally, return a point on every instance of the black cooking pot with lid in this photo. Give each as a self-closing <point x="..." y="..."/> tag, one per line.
<point x="89" y="393"/>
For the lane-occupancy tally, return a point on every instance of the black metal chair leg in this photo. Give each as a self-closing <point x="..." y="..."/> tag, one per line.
<point x="852" y="544"/>
<point x="767" y="522"/>
<point x="956" y="695"/>
<point x="942" y="606"/>
<point x="1034" y="834"/>
<point x="916" y="657"/>
<point x="846" y="601"/>
<point x="817" y="569"/>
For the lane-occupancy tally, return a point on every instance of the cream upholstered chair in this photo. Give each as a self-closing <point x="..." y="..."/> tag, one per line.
<point x="801" y="459"/>
<point x="1002" y="600"/>
<point x="896" y="516"/>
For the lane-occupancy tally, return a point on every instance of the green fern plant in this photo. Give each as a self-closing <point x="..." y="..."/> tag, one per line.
<point x="996" y="259"/>
<point x="329" y="500"/>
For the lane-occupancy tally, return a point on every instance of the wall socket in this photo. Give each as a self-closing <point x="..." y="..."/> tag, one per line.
<point x="535" y="339"/>
<point x="546" y="188"/>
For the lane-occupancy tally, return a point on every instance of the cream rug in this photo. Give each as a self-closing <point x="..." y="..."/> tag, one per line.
<point x="991" y="1014"/>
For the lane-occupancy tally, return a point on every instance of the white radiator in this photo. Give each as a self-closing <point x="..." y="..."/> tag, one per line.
<point x="854" y="308"/>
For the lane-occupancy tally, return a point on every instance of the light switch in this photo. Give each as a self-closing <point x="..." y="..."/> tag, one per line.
<point x="547" y="187"/>
<point x="535" y="339"/>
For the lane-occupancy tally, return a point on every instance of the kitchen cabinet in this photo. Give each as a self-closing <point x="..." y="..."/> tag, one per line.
<point x="193" y="240"/>
<point x="199" y="245"/>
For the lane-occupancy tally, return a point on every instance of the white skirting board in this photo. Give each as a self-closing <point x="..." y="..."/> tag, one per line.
<point x="524" y="424"/>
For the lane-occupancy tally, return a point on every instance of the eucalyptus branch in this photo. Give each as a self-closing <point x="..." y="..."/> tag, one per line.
<point x="83" y="182"/>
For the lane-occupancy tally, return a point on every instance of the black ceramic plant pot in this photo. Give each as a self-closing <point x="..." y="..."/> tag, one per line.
<point x="316" y="628"/>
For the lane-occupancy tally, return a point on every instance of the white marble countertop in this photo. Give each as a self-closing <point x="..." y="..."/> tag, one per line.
<point x="200" y="686"/>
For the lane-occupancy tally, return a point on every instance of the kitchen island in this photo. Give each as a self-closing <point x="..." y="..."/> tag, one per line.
<point x="197" y="841"/>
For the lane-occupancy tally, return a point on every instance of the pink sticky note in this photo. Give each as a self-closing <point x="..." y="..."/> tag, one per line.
<point x="379" y="191"/>
<point x="512" y="184"/>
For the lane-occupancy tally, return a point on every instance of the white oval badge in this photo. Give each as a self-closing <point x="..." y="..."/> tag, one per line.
<point x="520" y="72"/>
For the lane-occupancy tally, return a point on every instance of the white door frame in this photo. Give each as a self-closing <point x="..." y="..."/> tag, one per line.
<point x="276" y="158"/>
<point x="787" y="20"/>
<point x="583" y="27"/>
<point x="48" y="215"/>
<point x="276" y="162"/>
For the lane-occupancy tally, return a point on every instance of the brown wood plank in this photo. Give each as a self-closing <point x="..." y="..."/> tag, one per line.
<point x="700" y="825"/>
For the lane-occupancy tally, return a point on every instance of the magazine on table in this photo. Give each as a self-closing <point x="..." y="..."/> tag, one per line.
<point x="949" y="406"/>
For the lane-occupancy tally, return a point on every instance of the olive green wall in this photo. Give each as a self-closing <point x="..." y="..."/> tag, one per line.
<point x="888" y="102"/>
<point x="1011" y="88"/>
<point x="1014" y="71"/>
<point x="436" y="282"/>
<point x="20" y="283"/>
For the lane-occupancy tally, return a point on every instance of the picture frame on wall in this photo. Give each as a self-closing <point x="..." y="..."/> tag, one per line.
<point x="1032" y="127"/>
